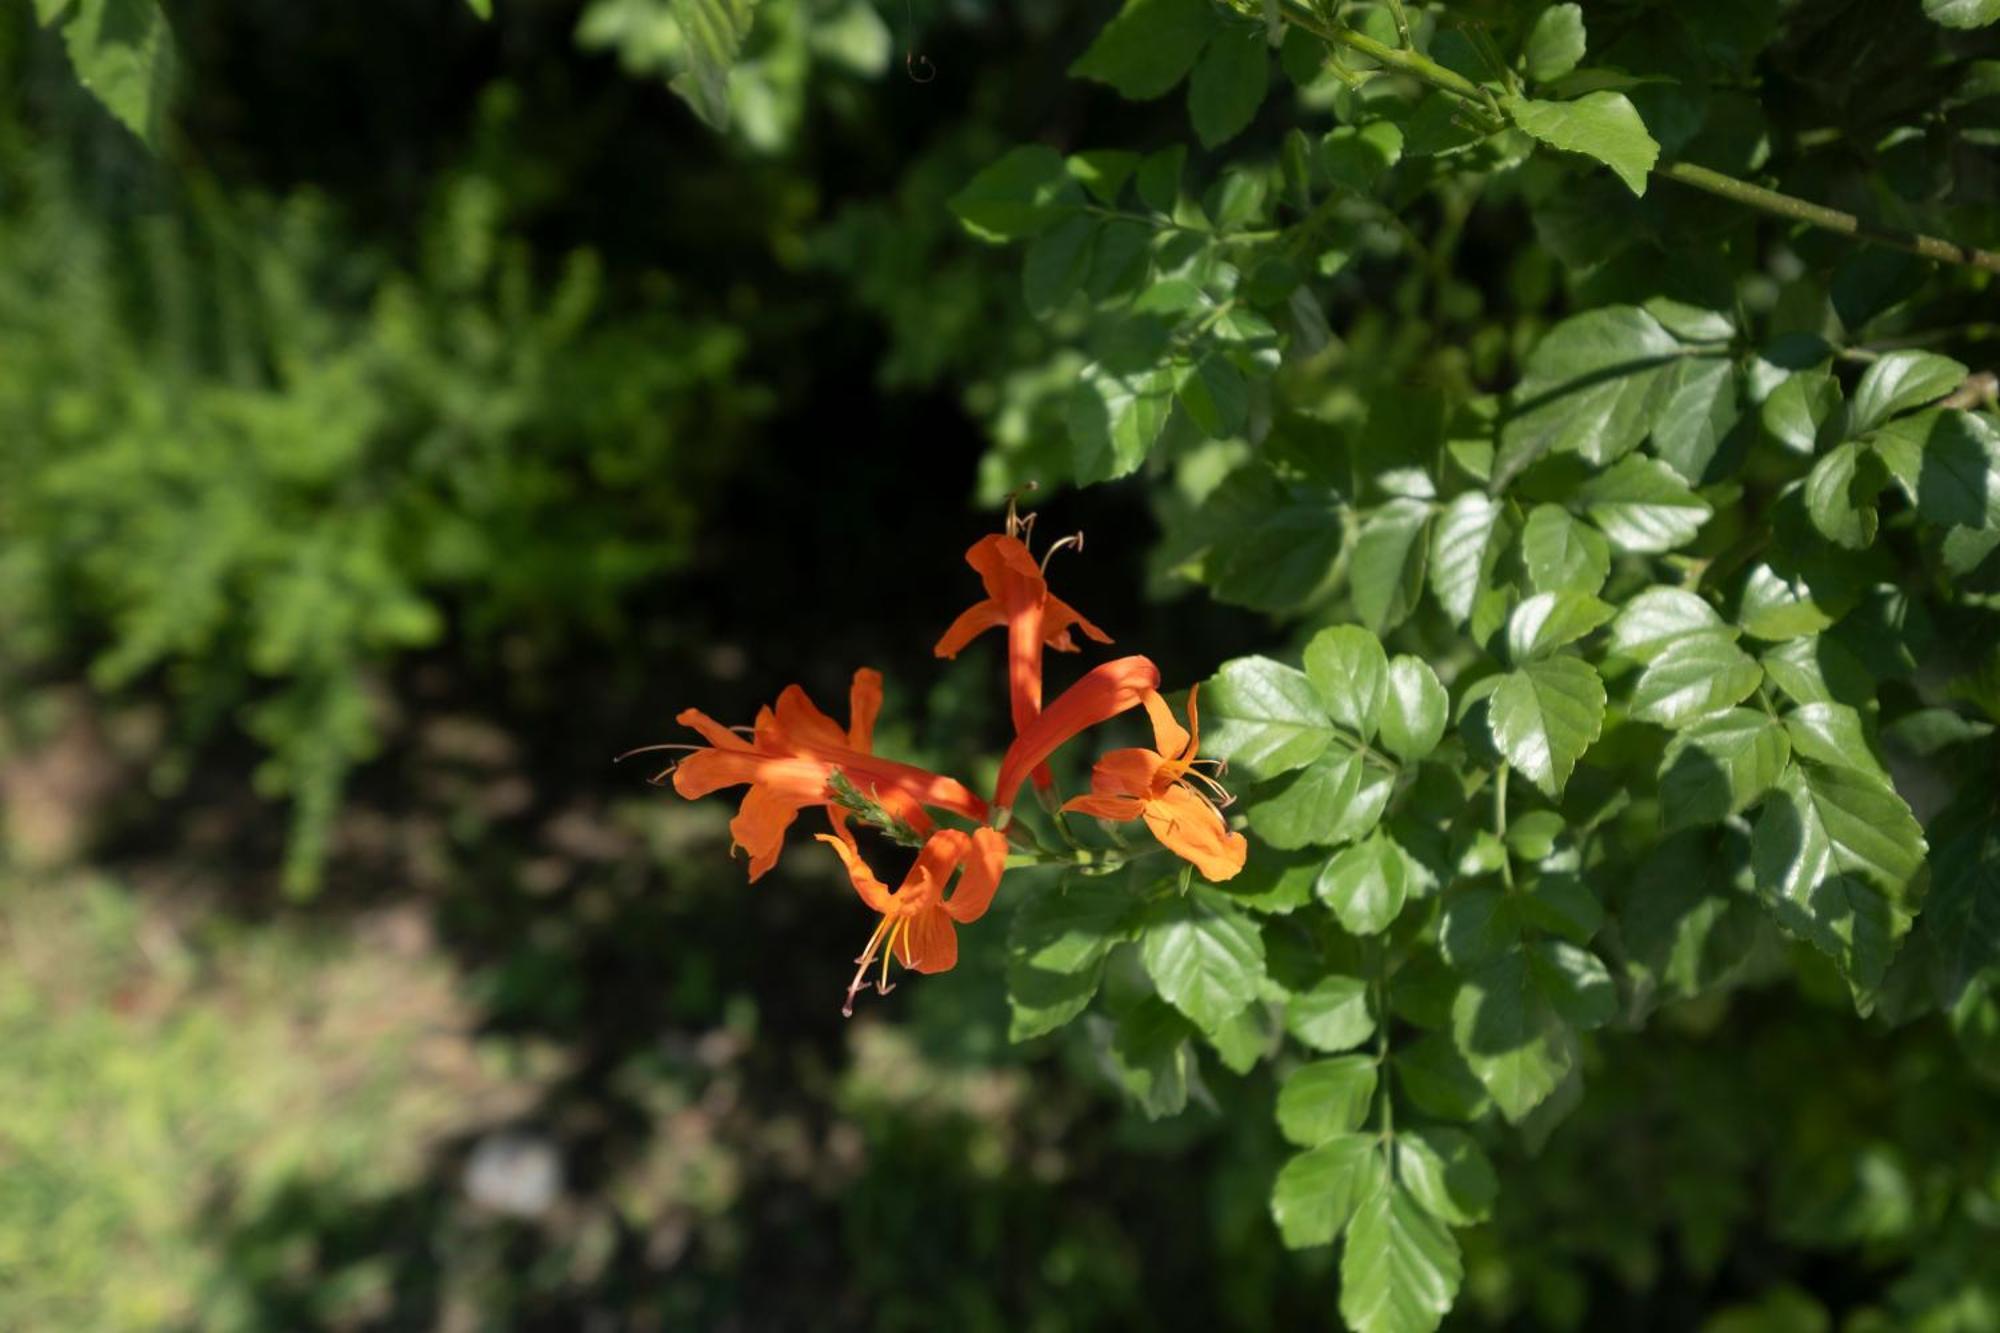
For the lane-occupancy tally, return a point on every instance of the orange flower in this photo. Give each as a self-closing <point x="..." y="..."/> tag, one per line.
<point x="1102" y="694"/>
<point x="1152" y="785"/>
<point x="916" y="928"/>
<point x="1018" y="597"/>
<point x="793" y="753"/>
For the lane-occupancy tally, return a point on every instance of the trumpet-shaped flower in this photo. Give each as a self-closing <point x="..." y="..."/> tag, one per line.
<point x="1102" y="693"/>
<point x="1018" y="597"/>
<point x="918" y="925"/>
<point x="790" y="758"/>
<point x="1158" y="785"/>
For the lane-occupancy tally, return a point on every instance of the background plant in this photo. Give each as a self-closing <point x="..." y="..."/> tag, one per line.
<point x="1573" y="426"/>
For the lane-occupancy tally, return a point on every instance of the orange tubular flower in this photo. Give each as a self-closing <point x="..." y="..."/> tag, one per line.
<point x="916" y="928"/>
<point x="1018" y="597"/>
<point x="1153" y="785"/>
<point x="791" y="756"/>
<point x="1102" y="694"/>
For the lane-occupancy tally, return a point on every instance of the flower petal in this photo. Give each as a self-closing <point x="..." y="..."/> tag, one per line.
<point x="872" y="890"/>
<point x="1101" y="694"/>
<point x="929" y="944"/>
<point x="760" y="824"/>
<point x="971" y="623"/>
<point x="1169" y="737"/>
<point x="721" y="737"/>
<point x="985" y="860"/>
<point x="804" y="726"/>
<point x="864" y="705"/>
<point x="1058" y="618"/>
<point x="1194" y="830"/>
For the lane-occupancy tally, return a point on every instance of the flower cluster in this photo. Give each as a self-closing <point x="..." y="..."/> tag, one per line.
<point x="795" y="756"/>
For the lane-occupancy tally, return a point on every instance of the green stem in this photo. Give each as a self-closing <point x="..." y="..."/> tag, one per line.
<point x="1500" y="826"/>
<point x="1827" y="219"/>
<point x="1423" y="68"/>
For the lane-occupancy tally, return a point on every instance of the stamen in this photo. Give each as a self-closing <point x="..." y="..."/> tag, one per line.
<point x="1016" y="525"/>
<point x="860" y="981"/>
<point x="650" y="749"/>
<point x="1074" y="541"/>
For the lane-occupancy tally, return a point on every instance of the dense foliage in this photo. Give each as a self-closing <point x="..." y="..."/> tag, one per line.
<point x="1589" y="409"/>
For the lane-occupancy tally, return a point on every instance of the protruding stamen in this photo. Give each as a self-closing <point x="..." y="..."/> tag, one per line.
<point x="1073" y="541"/>
<point x="1016" y="525"/>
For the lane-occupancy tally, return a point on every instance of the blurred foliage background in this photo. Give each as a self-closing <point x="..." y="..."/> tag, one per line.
<point x="439" y="407"/>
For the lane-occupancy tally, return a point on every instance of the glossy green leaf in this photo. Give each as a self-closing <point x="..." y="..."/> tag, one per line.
<point x="1447" y="1172"/>
<point x="1948" y="463"/>
<point x="1592" y="386"/>
<point x="1841" y="491"/>
<point x="1366" y="884"/>
<point x="1551" y="620"/>
<point x="1206" y="958"/>
<point x="1721" y="765"/>
<point x="1556" y="43"/>
<point x="1463" y="548"/>
<point x="1264" y="717"/>
<point x="1693" y="677"/>
<point x="1316" y="1192"/>
<point x="1149" y="47"/>
<point x="1400" y="1270"/>
<point x="1511" y="1034"/>
<point x="1963" y="13"/>
<point x="1836" y="855"/>
<point x="1116" y="418"/>
<point x="1347" y="665"/>
<point x="1562" y="552"/>
<point x="1798" y="408"/>
<point x="1414" y="711"/>
<point x="1334" y="799"/>
<point x="1659" y="617"/>
<point x="1228" y="83"/>
<point x="1643" y="506"/>
<point x="1387" y="569"/>
<point x="1898" y="381"/>
<point x="123" y="53"/>
<point x="1326" y="1099"/>
<point x="1603" y="125"/>
<point x="1544" y="715"/>
<point x="1333" y="1016"/>
<point x="1026" y="191"/>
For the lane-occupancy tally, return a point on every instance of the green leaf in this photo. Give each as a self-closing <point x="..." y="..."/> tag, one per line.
<point x="1963" y="13"/>
<point x="1437" y="1080"/>
<point x="1350" y="670"/>
<point x="483" y="8"/>
<point x="1796" y="409"/>
<point x="1544" y="715"/>
<point x="1721" y="766"/>
<point x="1643" y="506"/>
<point x="1357" y="155"/>
<point x="123" y="53"/>
<point x="1273" y="882"/>
<point x="1817" y="670"/>
<point x="1962" y="911"/>
<point x="1840" y="494"/>
<point x="1699" y="412"/>
<point x="1447" y="1172"/>
<point x="1836" y="856"/>
<point x="1336" y="798"/>
<point x="1326" y="1099"/>
<point x="1463" y="550"/>
<point x="1206" y="958"/>
<point x="1556" y="42"/>
<point x="1563" y="552"/>
<point x="1056" y="945"/>
<point x="1400" y="1270"/>
<point x="1551" y="620"/>
<point x="1561" y="903"/>
<point x="1115" y="419"/>
<point x="1657" y="618"/>
<point x="1056" y="265"/>
<point x="1511" y="1034"/>
<point x="1415" y="711"/>
<point x="1216" y="399"/>
<point x="1229" y="83"/>
<point x="1948" y="463"/>
<point x="1387" y="571"/>
<point x="1695" y="676"/>
<point x="1832" y="733"/>
<point x="1147" y="49"/>
<point x="1575" y="980"/>
<point x="1774" y="607"/>
<point x="1316" y="1192"/>
<point x="1103" y="172"/>
<point x="1479" y="924"/>
<point x="1277" y="544"/>
<point x="1264" y="717"/>
<point x="1602" y="125"/>
<point x="1152" y="1057"/>
<point x="1592" y="387"/>
<point x="1159" y="178"/>
<point x="1332" y="1016"/>
<point x="1898" y="381"/>
<point x="1026" y="191"/>
<point x="1366" y="884"/>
